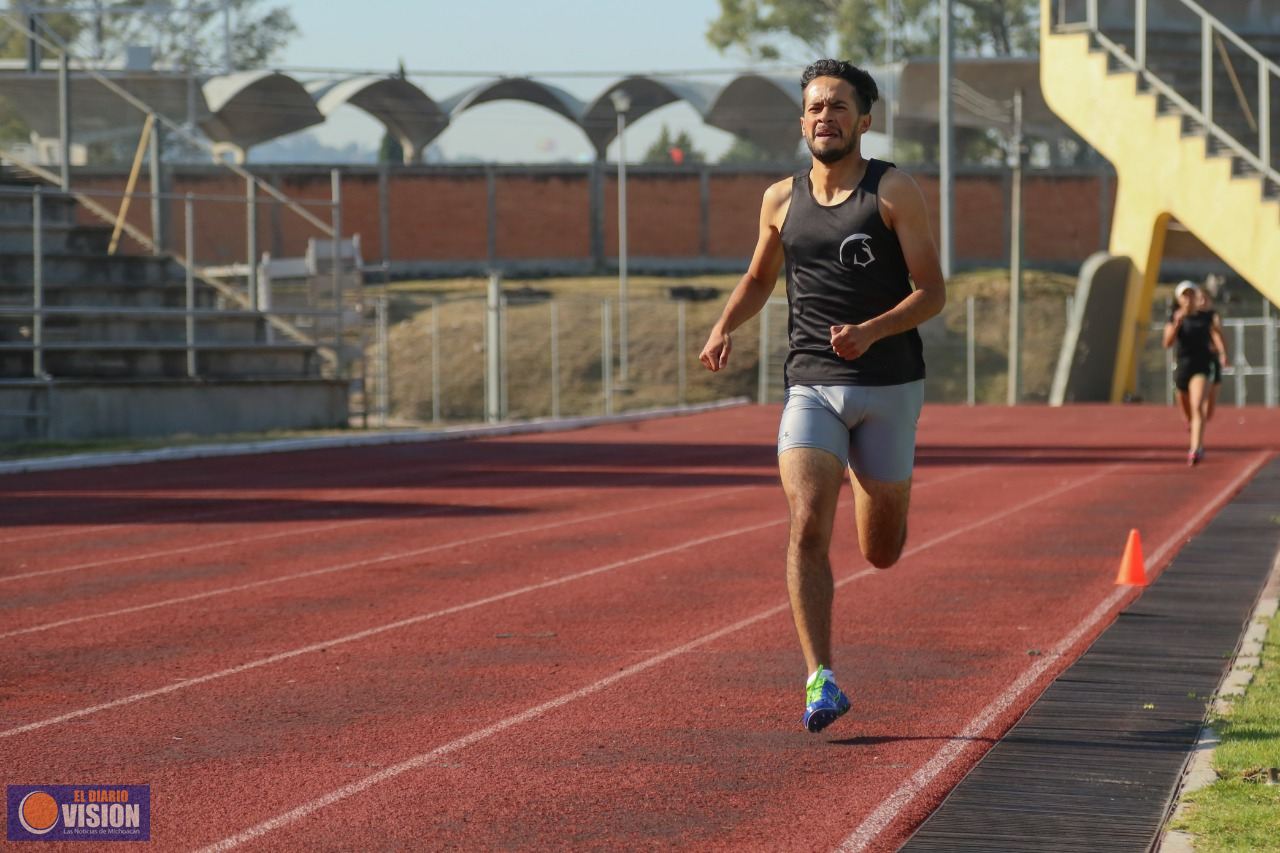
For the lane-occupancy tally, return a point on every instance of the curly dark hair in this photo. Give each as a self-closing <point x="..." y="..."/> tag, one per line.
<point x="863" y="84"/>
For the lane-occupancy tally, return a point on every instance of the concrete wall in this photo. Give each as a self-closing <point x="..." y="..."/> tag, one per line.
<point x="87" y="410"/>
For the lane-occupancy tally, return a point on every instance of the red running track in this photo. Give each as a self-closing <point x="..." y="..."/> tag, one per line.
<point x="577" y="639"/>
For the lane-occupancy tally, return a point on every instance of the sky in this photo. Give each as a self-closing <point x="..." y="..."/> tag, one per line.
<point x="606" y="38"/>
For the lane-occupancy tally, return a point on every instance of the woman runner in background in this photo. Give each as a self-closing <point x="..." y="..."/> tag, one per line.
<point x="1196" y="338"/>
<point x="1219" y="361"/>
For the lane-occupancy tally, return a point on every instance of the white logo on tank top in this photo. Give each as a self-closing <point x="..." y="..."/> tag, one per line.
<point x="860" y="253"/>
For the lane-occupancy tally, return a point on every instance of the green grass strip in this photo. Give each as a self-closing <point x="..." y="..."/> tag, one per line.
<point x="1241" y="811"/>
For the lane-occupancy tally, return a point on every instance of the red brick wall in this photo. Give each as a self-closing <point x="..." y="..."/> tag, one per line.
<point x="433" y="216"/>
<point x="735" y="213"/>
<point x="441" y="214"/>
<point x="543" y="215"/>
<point x="664" y="215"/>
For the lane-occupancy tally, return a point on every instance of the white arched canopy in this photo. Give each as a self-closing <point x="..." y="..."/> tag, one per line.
<point x="407" y="112"/>
<point x="642" y="96"/>
<point x="251" y="107"/>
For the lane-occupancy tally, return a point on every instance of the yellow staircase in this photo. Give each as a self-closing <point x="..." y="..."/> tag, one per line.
<point x="1144" y="111"/>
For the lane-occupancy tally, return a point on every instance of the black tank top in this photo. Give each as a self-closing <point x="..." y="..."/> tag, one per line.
<point x="844" y="266"/>
<point x="1195" y="344"/>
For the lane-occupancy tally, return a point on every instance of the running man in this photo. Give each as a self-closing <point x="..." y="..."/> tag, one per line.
<point x="854" y="234"/>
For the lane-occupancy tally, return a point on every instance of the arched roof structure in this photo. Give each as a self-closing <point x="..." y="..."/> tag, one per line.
<point x="238" y="111"/>
<point x="251" y="107"/>
<point x="407" y="112"/>
<point x="763" y="109"/>
<point x="516" y="89"/>
<point x="644" y="94"/>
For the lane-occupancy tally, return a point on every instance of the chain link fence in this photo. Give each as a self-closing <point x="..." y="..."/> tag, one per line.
<point x="432" y="359"/>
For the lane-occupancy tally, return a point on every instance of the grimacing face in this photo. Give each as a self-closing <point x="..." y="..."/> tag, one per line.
<point x="831" y="122"/>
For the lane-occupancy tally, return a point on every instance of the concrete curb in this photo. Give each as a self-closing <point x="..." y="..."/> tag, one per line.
<point x="290" y="445"/>
<point x="1199" y="772"/>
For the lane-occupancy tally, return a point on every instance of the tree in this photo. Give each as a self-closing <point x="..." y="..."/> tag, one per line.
<point x="744" y="152"/>
<point x="186" y="34"/>
<point x="668" y="149"/>
<point x="799" y="31"/>
<point x="390" y="150"/>
<point x="183" y="33"/>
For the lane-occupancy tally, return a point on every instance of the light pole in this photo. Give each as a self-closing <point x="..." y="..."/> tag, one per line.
<point x="946" y="140"/>
<point x="622" y="103"/>
<point x="1015" y="256"/>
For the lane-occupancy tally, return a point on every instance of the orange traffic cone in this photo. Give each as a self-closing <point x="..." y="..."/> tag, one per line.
<point x="1132" y="566"/>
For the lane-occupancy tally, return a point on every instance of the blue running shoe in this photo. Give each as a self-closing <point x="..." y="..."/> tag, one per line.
<point x="825" y="702"/>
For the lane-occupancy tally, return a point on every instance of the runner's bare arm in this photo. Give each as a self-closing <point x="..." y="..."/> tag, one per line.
<point x="754" y="288"/>
<point x="1219" y="343"/>
<point x="904" y="210"/>
<point x="1171" y="328"/>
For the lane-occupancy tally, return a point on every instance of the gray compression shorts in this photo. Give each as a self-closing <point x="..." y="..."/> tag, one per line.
<point x="869" y="428"/>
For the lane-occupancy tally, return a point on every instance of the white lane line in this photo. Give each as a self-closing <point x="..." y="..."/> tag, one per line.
<point x="413" y="620"/>
<point x="889" y="809"/>
<point x="533" y="713"/>
<point x="305" y="483"/>
<point x="185" y="491"/>
<point x="370" y="561"/>
<point x="429" y="512"/>
<point x="426" y="758"/>
<point x="381" y="629"/>
<point x="282" y="492"/>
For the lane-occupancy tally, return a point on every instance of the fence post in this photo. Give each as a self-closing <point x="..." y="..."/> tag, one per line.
<point x="762" y="361"/>
<point x="1140" y="33"/>
<point x="1242" y="392"/>
<point x="251" y="241"/>
<point x="606" y="354"/>
<point x="37" y="282"/>
<point x="264" y="294"/>
<point x="1264" y="115"/>
<point x="1206" y="73"/>
<point x="189" y="210"/>
<point x="1269" y="349"/>
<point x="64" y="119"/>
<point x="682" y="352"/>
<point x="555" y="358"/>
<point x="970" y="355"/>
<point x="384" y="360"/>
<point x="158" y="228"/>
<point x="335" y="180"/>
<point x="492" y="350"/>
<point x="504" y="375"/>
<point x="436" y="407"/>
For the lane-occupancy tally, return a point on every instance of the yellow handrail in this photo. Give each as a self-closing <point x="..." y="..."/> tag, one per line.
<point x="132" y="182"/>
<point x="1235" y="82"/>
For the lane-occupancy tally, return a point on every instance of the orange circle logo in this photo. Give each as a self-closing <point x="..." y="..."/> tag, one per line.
<point x="38" y="812"/>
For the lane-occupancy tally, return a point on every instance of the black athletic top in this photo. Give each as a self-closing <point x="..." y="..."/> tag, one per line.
<point x="1195" y="346"/>
<point x="844" y="266"/>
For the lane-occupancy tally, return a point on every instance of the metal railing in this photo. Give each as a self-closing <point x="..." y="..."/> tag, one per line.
<point x="1214" y="34"/>
<point x="154" y="242"/>
<point x="1251" y="343"/>
<point x="306" y="327"/>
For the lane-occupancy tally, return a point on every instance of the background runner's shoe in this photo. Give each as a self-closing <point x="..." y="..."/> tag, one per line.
<point x="826" y="702"/>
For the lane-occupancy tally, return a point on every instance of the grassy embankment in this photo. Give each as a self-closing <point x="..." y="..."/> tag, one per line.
<point x="1241" y="811"/>
<point x="654" y="350"/>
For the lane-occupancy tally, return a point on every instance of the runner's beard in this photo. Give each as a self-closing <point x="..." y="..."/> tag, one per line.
<point x="831" y="155"/>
